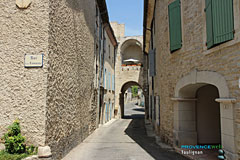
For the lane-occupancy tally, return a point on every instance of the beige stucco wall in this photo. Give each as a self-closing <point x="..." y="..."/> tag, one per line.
<point x="23" y="90"/>
<point x="70" y="74"/>
<point x="56" y="104"/>
<point x="171" y="67"/>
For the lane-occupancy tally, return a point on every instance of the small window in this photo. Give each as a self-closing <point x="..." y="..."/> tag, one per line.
<point x="152" y="61"/>
<point x="96" y="10"/>
<point x="113" y="82"/>
<point x="104" y="74"/>
<point x="109" y="51"/>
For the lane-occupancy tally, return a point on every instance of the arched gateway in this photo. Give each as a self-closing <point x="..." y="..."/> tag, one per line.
<point x="203" y="111"/>
<point x="129" y="69"/>
<point x="122" y="94"/>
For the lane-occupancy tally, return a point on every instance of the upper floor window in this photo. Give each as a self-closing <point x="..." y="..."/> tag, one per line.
<point x="131" y="53"/>
<point x="96" y="10"/>
<point x="113" y="82"/>
<point x="175" y="26"/>
<point x="219" y="21"/>
<point x="104" y="74"/>
<point x="152" y="63"/>
<point x="109" y="51"/>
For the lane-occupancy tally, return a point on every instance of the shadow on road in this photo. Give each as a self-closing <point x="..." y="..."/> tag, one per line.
<point x="134" y="116"/>
<point x="136" y="130"/>
<point x="139" y="109"/>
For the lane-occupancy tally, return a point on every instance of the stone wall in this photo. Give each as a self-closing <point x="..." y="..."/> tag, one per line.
<point x="23" y="90"/>
<point x="119" y="29"/>
<point x="70" y="74"/>
<point x="171" y="67"/>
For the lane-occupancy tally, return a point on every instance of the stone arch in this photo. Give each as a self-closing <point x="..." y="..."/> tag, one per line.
<point x="131" y="48"/>
<point x="124" y="87"/>
<point x="129" y="42"/>
<point x="197" y="79"/>
<point x="128" y="84"/>
<point x="185" y="110"/>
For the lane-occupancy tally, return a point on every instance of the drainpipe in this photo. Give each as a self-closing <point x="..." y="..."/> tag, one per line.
<point x="103" y="67"/>
<point x="146" y="89"/>
<point x="100" y="72"/>
<point x="115" y="50"/>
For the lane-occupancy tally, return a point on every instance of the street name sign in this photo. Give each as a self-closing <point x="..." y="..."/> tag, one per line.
<point x="33" y="61"/>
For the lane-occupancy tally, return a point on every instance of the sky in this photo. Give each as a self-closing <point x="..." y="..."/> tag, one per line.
<point x="129" y="12"/>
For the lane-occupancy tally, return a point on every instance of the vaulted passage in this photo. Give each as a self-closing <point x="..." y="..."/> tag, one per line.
<point x="197" y="118"/>
<point x="208" y="115"/>
<point x="126" y="98"/>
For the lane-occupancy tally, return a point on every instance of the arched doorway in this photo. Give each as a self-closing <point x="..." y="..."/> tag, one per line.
<point x="200" y="96"/>
<point x="125" y="96"/>
<point x="208" y="115"/>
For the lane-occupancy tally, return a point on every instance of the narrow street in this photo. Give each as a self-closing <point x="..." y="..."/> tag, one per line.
<point x="122" y="139"/>
<point x="120" y="80"/>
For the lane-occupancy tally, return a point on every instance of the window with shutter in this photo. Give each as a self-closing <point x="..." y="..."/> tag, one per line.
<point x="152" y="61"/>
<point x="113" y="82"/>
<point x="209" y="23"/>
<point x="104" y="73"/>
<point x="109" y="83"/>
<point x="219" y="21"/>
<point x="175" y="26"/>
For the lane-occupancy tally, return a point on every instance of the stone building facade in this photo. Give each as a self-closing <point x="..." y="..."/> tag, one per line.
<point x="57" y="104"/>
<point x="127" y="75"/>
<point x="108" y="77"/>
<point x="196" y="95"/>
<point x="106" y="46"/>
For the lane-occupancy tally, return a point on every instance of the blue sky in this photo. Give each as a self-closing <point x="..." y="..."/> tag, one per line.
<point x="129" y="12"/>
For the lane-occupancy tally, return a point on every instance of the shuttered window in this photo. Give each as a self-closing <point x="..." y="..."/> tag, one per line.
<point x="152" y="61"/>
<point x="175" y="28"/>
<point x="104" y="73"/>
<point x="110" y="79"/>
<point x="113" y="81"/>
<point x="219" y="21"/>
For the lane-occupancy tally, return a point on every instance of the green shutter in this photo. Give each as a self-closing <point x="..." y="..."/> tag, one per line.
<point x="219" y="20"/>
<point x="223" y="27"/>
<point x="175" y="28"/>
<point x="209" y="22"/>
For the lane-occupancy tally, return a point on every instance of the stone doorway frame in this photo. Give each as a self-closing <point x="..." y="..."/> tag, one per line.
<point x="184" y="132"/>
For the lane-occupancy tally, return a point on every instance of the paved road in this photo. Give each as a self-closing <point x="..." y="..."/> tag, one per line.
<point x="133" y="111"/>
<point x="123" y="139"/>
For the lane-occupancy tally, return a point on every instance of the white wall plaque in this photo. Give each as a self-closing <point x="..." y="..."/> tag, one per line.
<point x="31" y="61"/>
